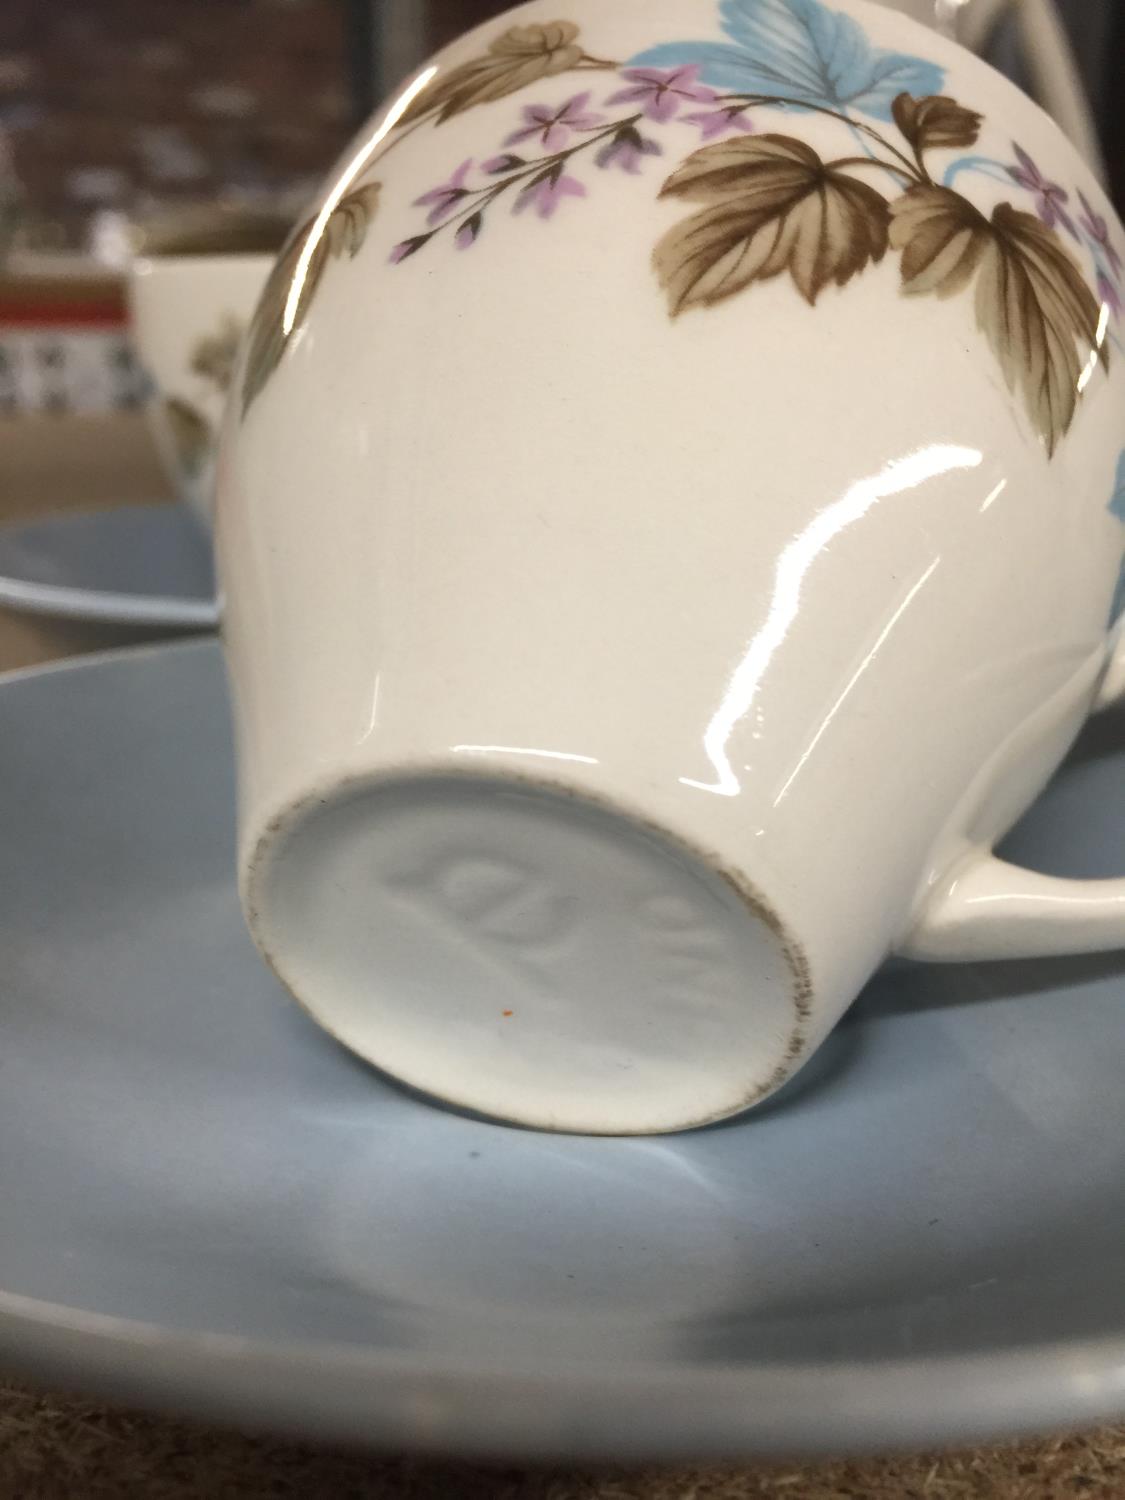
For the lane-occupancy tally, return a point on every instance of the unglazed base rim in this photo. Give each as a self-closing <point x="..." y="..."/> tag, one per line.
<point x="292" y="818"/>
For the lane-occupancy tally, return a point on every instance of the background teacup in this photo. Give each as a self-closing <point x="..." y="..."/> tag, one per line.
<point x="192" y="288"/>
<point x="715" y="419"/>
<point x="1035" y="45"/>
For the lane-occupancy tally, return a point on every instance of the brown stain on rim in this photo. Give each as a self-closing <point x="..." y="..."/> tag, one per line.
<point x="290" y="816"/>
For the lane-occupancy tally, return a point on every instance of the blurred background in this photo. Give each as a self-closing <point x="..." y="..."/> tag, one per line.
<point x="115" y="113"/>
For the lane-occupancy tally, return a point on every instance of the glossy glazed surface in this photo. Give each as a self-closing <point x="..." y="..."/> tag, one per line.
<point x="714" y="410"/>
<point x="209" y="1205"/>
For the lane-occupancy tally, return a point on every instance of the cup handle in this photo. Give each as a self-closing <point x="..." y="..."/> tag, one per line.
<point x="985" y="908"/>
<point x="1112" y="690"/>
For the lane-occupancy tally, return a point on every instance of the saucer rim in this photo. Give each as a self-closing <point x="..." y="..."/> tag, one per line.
<point x="102" y="606"/>
<point x="663" y="1411"/>
<point x="569" y="1409"/>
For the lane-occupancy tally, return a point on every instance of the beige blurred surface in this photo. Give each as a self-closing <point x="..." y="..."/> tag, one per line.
<point x="58" y="463"/>
<point x="58" y="1447"/>
<point x="55" y="464"/>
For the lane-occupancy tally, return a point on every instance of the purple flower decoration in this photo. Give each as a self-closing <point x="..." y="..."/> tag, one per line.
<point x="441" y="201"/>
<point x="661" y="91"/>
<point x="467" y="232"/>
<point x="545" y="192"/>
<point x="626" y="149"/>
<point x="406" y="248"/>
<point x="495" y="166"/>
<point x="552" y="127"/>
<point x="1050" y="197"/>
<point x="1098" y="230"/>
<point x="1109" y="295"/>
<point x="715" y="122"/>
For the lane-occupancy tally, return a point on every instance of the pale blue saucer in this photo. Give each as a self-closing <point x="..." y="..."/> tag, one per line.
<point x="207" y="1205"/>
<point x="139" y="565"/>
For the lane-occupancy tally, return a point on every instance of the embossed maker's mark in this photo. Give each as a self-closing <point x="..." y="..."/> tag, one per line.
<point x="507" y="914"/>
<point x="695" y="966"/>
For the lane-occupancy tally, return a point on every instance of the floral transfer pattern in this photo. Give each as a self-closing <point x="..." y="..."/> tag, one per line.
<point x="212" y="361"/>
<point x="271" y="329"/>
<point x="818" y="58"/>
<point x="761" y="203"/>
<point x="190" y="434"/>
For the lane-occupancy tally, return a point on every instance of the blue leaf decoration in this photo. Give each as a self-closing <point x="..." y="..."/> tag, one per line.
<point x="720" y="65"/>
<point x="1117" y="608"/>
<point x="1117" y="503"/>
<point x="802" y="51"/>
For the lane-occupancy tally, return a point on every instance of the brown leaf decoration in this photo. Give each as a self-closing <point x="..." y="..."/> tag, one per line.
<point x="345" y="230"/>
<point x="774" y="206"/>
<point x="1039" y="316"/>
<point x="190" y="432"/>
<point x="942" y="238"/>
<point x="518" y="57"/>
<point x="1032" y="301"/>
<point x="213" y="356"/>
<point x="936" y="122"/>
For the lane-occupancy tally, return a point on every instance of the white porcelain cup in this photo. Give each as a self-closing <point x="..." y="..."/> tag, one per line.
<point x="671" y="519"/>
<point x="192" y="288"/>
